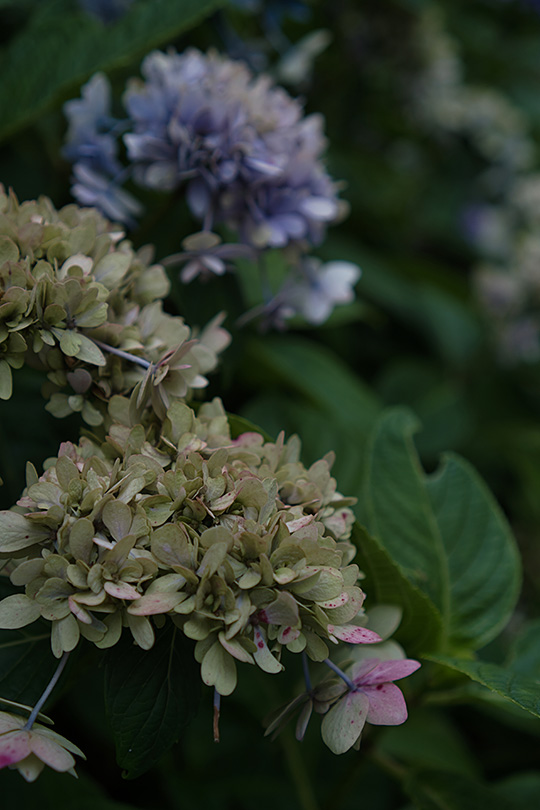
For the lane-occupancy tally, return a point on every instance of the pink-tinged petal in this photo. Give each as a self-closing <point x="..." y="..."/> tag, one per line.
<point x="263" y="656"/>
<point x="387" y="705"/>
<point x="353" y="634"/>
<point x="338" y="601"/>
<point x="30" y="768"/>
<point x="121" y="590"/>
<point x="79" y="612"/>
<point x="384" y="671"/>
<point x="51" y="753"/>
<point x="343" y="724"/>
<point x="14" y="747"/>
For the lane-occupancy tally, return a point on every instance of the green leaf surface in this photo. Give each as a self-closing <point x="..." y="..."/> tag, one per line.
<point x="26" y="659"/>
<point x="62" y="46"/>
<point x="150" y="696"/>
<point x="525" y="652"/>
<point x="435" y="790"/>
<point x="421" y="626"/>
<point x="519" y="689"/>
<point x="316" y="373"/>
<point x="444" y="531"/>
<point x="428" y="739"/>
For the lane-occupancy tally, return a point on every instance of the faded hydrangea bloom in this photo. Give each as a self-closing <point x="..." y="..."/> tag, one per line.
<point x="29" y="750"/>
<point x="241" y="146"/>
<point x="79" y="302"/>
<point x="243" y="547"/>
<point x="319" y="287"/>
<point x="92" y="146"/>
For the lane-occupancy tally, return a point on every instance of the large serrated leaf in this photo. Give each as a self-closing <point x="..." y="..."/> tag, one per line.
<point x="506" y="682"/>
<point x="150" y="696"/>
<point x="421" y="626"/>
<point x="481" y="555"/>
<point x="445" y="532"/>
<point x="62" y="46"/>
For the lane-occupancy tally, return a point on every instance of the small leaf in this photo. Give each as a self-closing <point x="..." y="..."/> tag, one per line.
<point x="150" y="697"/>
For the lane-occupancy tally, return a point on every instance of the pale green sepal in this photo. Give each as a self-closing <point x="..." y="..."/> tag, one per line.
<point x="17" y="611"/>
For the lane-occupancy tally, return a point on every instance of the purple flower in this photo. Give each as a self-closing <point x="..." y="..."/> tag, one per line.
<point x="375" y="699"/>
<point x="92" y="146"/>
<point x="320" y="287"/>
<point x="244" y="150"/>
<point x="94" y="189"/>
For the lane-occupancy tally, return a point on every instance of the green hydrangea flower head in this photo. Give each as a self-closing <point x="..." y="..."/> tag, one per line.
<point x="77" y="301"/>
<point x="244" y="548"/>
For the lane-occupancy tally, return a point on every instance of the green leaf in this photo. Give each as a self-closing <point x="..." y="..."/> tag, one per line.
<point x="481" y="554"/>
<point x="445" y="532"/>
<point x="522" y="789"/>
<point x="239" y="425"/>
<point x="519" y="689"/>
<point x="317" y="374"/>
<point x="67" y="46"/>
<point x="435" y="790"/>
<point x="525" y="652"/>
<point x="150" y="696"/>
<point x="26" y="660"/>
<point x="421" y="626"/>
<point x="428" y="739"/>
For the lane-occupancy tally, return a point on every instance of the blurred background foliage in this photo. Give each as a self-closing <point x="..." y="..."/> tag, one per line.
<point x="417" y="335"/>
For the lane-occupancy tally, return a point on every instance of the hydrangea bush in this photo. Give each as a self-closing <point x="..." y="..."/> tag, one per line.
<point x="178" y="564"/>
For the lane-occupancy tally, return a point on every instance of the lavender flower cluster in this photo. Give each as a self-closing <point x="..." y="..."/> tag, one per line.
<point x="240" y="148"/>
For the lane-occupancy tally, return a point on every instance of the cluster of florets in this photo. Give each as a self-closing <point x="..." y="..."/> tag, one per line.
<point x="245" y="156"/>
<point x="243" y="547"/>
<point x="241" y="147"/>
<point x="79" y="302"/>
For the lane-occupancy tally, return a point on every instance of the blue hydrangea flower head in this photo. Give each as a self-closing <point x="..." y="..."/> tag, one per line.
<point x="242" y="146"/>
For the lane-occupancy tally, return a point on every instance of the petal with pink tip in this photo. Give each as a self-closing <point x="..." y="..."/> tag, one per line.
<point x="263" y="656"/>
<point x="50" y="752"/>
<point x="387" y="705"/>
<point x="121" y="590"/>
<point x="353" y="634"/>
<point x="14" y="747"/>
<point x="365" y="674"/>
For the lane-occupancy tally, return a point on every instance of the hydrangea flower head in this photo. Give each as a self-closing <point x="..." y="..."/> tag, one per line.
<point x="249" y="157"/>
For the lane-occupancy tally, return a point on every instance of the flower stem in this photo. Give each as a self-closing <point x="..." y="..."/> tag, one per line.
<point x="340" y="672"/>
<point x="305" y="667"/>
<point x="139" y="361"/>
<point x="48" y="689"/>
<point x="217" y="708"/>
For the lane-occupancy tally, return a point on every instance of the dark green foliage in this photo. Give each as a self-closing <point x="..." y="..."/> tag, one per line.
<point x="150" y="698"/>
